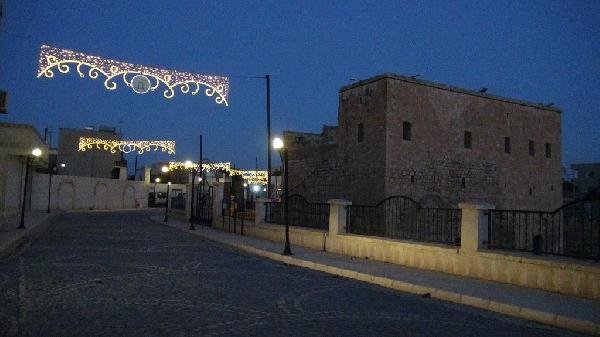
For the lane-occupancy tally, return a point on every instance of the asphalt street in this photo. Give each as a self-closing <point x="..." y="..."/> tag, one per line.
<point x="121" y="274"/>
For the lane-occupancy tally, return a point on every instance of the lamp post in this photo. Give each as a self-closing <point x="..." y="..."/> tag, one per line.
<point x="280" y="146"/>
<point x="165" y="169"/>
<point x="156" y="181"/>
<point x="52" y="171"/>
<point x="35" y="153"/>
<point x="190" y="166"/>
<point x="167" y="203"/>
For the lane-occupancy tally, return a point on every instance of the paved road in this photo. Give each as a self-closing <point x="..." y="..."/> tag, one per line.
<point x="120" y="274"/>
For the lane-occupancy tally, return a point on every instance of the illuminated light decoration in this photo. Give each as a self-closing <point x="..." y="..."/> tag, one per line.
<point x="126" y="146"/>
<point x="251" y="177"/>
<point x="135" y="76"/>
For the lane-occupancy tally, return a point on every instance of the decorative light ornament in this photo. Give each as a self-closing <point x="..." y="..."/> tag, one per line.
<point x="51" y="57"/>
<point x="251" y="177"/>
<point x="140" y="84"/>
<point x="126" y="146"/>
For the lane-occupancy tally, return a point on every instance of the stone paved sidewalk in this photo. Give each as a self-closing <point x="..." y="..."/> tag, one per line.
<point x="568" y="312"/>
<point x="11" y="237"/>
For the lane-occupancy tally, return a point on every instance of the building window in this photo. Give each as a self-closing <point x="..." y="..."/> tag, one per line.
<point x="412" y="179"/>
<point x="530" y="191"/>
<point x="506" y="144"/>
<point x="468" y="140"/>
<point x="548" y="150"/>
<point x="406" y="131"/>
<point x="463" y="183"/>
<point x="531" y="148"/>
<point x="360" y="135"/>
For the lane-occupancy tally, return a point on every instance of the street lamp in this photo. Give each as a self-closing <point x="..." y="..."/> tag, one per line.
<point x="35" y="153"/>
<point x="190" y="166"/>
<point x="156" y="181"/>
<point x="280" y="146"/>
<point x="167" y="203"/>
<point x="52" y="171"/>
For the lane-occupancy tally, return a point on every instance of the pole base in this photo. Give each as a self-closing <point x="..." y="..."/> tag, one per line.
<point x="287" y="250"/>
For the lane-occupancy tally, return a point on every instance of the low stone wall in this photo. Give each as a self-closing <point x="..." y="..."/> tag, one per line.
<point x="299" y="236"/>
<point x="562" y="275"/>
<point x="74" y="192"/>
<point x="472" y="259"/>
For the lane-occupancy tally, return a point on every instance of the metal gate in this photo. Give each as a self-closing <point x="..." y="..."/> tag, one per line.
<point x="203" y="210"/>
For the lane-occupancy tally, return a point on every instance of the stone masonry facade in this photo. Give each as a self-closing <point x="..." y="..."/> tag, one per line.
<point x="434" y="143"/>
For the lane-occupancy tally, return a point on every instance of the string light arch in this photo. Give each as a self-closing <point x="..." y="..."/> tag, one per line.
<point x="52" y="58"/>
<point x="251" y="177"/>
<point x="126" y="146"/>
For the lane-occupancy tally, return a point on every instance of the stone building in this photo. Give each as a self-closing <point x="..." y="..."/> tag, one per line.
<point x="432" y="142"/>
<point x="587" y="178"/>
<point x="94" y="162"/>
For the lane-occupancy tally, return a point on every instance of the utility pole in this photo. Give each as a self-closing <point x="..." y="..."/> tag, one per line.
<point x="201" y="167"/>
<point x="268" y="78"/>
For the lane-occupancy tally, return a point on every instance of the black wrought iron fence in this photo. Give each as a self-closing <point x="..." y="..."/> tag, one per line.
<point x="302" y="213"/>
<point x="236" y="214"/>
<point x="178" y="202"/>
<point x="572" y="230"/>
<point x="204" y="206"/>
<point x="400" y="217"/>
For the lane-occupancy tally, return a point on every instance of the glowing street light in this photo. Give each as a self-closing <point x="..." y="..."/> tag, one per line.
<point x="280" y="146"/>
<point x="277" y="143"/>
<point x="164" y="169"/>
<point x="35" y="153"/>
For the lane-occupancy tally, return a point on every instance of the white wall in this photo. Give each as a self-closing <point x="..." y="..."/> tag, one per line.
<point x="12" y="171"/>
<point x="74" y="192"/>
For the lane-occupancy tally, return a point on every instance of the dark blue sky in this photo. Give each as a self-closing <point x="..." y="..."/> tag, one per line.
<point x="541" y="51"/>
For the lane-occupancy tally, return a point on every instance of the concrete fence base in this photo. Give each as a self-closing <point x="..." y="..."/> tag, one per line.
<point x="472" y="259"/>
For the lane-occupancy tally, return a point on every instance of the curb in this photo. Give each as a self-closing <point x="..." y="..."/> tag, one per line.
<point x="29" y="234"/>
<point x="539" y="316"/>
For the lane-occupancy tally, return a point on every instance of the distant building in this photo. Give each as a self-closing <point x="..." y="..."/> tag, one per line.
<point x="587" y="178"/>
<point x="434" y="143"/>
<point x="94" y="162"/>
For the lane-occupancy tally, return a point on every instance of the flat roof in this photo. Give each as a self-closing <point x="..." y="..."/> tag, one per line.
<point x="448" y="88"/>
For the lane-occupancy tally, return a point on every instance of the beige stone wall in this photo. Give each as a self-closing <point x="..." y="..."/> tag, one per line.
<point x="555" y="274"/>
<point x="562" y="275"/>
<point x="85" y="193"/>
<point x="304" y="237"/>
<point x="436" y="159"/>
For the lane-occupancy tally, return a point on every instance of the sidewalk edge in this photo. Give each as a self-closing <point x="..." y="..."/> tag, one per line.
<point x="30" y="234"/>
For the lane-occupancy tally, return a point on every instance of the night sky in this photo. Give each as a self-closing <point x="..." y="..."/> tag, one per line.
<point x="540" y="51"/>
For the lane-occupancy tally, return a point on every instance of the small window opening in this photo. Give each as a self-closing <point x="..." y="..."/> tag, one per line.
<point x="406" y="131"/>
